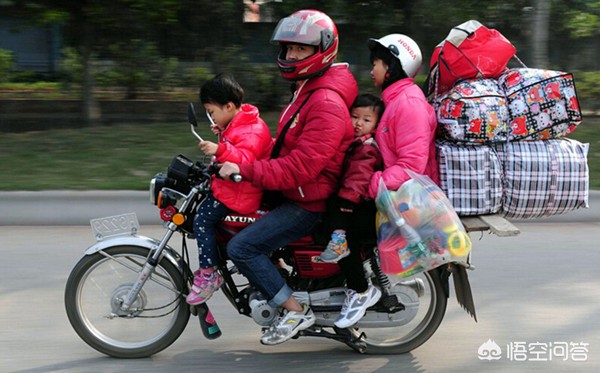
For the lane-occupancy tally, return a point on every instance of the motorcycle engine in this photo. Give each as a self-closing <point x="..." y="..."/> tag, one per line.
<point x="261" y="312"/>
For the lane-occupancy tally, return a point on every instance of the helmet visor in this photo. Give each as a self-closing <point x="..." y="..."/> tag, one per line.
<point x="297" y="30"/>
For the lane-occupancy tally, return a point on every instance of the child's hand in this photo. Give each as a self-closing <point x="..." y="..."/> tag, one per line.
<point x="208" y="147"/>
<point x="215" y="130"/>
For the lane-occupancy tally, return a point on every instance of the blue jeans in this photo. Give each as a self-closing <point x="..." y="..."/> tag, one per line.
<point x="209" y="213"/>
<point x="250" y="249"/>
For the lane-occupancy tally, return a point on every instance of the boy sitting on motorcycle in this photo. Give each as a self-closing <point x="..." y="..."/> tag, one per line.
<point x="352" y="213"/>
<point x="243" y="137"/>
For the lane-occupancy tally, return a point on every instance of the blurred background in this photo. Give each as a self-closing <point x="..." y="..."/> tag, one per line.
<point x="95" y="70"/>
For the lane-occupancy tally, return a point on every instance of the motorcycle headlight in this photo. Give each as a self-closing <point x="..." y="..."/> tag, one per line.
<point x="170" y="197"/>
<point x="158" y="182"/>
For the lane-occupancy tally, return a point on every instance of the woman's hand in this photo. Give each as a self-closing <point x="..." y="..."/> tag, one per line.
<point x="208" y="147"/>
<point x="227" y="169"/>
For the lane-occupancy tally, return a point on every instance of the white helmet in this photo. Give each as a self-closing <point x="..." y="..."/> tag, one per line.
<point x="404" y="49"/>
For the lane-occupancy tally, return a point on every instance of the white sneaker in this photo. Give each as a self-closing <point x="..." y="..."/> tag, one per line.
<point x="288" y="326"/>
<point x="356" y="305"/>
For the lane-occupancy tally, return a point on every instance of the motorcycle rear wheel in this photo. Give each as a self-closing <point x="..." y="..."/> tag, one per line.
<point x="430" y="310"/>
<point x="94" y="292"/>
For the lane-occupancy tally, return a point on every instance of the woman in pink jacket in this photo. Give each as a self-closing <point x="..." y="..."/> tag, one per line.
<point x="407" y="128"/>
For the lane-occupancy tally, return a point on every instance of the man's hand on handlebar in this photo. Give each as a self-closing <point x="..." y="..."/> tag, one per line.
<point x="228" y="169"/>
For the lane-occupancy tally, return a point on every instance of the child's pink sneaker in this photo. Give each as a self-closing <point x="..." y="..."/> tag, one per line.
<point x="204" y="287"/>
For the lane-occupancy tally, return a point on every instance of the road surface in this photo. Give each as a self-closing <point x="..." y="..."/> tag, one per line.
<point x="537" y="298"/>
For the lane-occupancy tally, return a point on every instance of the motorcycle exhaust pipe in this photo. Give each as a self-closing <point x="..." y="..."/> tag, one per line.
<point x="415" y="284"/>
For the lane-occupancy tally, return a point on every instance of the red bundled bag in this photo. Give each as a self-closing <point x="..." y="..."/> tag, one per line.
<point x="470" y="50"/>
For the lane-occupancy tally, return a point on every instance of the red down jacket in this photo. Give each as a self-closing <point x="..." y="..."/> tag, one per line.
<point x="246" y="138"/>
<point x="362" y="160"/>
<point x="309" y="165"/>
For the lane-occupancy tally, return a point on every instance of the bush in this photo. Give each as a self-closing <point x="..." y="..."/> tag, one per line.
<point x="71" y="67"/>
<point x="264" y="86"/>
<point x="588" y="89"/>
<point x="6" y="65"/>
<point x="194" y="76"/>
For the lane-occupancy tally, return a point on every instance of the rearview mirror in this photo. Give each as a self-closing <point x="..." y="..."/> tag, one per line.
<point x="192" y="115"/>
<point x="192" y="120"/>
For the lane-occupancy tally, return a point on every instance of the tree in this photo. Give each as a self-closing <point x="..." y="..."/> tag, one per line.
<point x="583" y="19"/>
<point x="540" y="33"/>
<point x="92" y="26"/>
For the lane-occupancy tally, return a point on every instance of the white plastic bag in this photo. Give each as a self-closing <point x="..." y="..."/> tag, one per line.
<point x="417" y="228"/>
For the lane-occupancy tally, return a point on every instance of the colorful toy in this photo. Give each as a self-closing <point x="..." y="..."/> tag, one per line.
<point x="418" y="229"/>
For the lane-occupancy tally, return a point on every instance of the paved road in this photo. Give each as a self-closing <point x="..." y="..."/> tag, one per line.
<point x="533" y="290"/>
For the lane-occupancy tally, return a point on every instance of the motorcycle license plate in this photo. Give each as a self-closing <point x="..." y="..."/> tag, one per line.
<point x="117" y="225"/>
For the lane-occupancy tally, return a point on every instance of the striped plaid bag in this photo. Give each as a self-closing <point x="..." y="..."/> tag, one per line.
<point x="543" y="178"/>
<point x="471" y="177"/>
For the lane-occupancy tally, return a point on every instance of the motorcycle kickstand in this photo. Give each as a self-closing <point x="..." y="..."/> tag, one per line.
<point x="341" y="335"/>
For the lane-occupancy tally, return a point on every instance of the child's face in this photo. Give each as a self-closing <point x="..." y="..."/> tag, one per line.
<point x="378" y="72"/>
<point x="364" y="120"/>
<point x="221" y="115"/>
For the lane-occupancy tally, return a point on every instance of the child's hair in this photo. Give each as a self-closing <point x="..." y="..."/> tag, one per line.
<point x="220" y="90"/>
<point x="369" y="100"/>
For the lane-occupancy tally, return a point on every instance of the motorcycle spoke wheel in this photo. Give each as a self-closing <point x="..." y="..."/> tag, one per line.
<point x="94" y="293"/>
<point x="425" y="302"/>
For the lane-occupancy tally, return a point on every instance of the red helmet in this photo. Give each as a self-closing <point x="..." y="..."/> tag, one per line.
<point x="309" y="27"/>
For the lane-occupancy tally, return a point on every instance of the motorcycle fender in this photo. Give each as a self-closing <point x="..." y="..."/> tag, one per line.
<point x="139" y="241"/>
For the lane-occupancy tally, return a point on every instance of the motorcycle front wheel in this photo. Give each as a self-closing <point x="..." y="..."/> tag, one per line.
<point x="95" y="290"/>
<point x="425" y="300"/>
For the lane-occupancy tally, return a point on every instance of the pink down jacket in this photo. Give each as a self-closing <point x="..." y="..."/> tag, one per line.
<point x="405" y="136"/>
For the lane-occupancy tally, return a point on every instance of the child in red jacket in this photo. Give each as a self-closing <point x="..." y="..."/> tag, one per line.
<point x="352" y="213"/>
<point x="243" y="137"/>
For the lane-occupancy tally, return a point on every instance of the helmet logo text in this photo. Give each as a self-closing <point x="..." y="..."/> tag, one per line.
<point x="408" y="48"/>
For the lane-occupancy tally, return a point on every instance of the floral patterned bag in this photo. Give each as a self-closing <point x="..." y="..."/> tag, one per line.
<point x="473" y="111"/>
<point x="542" y="104"/>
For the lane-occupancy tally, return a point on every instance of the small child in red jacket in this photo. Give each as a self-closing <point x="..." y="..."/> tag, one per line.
<point x="243" y="137"/>
<point x="352" y="213"/>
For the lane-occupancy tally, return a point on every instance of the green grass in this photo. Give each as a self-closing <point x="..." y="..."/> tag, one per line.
<point x="110" y="157"/>
<point x="127" y="156"/>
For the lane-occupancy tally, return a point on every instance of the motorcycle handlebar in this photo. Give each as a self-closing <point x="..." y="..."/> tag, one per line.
<point x="213" y="169"/>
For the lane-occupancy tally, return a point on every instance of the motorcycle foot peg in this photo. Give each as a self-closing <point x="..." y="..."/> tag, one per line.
<point x="390" y="302"/>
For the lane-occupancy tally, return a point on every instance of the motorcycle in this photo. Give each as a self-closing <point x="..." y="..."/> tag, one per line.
<point x="126" y="296"/>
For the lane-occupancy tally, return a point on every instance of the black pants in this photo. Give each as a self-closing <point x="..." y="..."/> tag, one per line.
<point x="361" y="236"/>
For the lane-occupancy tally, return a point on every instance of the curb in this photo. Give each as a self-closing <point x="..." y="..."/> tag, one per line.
<point x="65" y="207"/>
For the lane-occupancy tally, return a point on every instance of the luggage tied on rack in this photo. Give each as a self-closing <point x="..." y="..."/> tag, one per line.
<point x="542" y="104"/>
<point x="519" y="180"/>
<point x="470" y="50"/>
<point x="522" y="104"/>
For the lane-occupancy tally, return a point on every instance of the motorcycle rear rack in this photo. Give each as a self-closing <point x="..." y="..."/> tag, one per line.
<point x="494" y="223"/>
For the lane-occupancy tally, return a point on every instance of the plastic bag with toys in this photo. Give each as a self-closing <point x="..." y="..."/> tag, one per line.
<point x="417" y="228"/>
